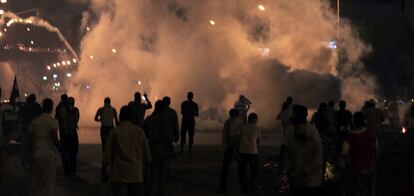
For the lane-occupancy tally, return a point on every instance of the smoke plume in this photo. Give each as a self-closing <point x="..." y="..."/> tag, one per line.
<point x="213" y="49"/>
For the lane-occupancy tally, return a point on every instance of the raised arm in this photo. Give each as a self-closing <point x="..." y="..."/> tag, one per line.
<point x="149" y="104"/>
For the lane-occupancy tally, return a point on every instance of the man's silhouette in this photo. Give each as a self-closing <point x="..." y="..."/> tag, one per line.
<point x="107" y="115"/>
<point x="30" y="111"/>
<point x="189" y="110"/>
<point x="139" y="108"/>
<point x="126" y="152"/>
<point x="160" y="138"/>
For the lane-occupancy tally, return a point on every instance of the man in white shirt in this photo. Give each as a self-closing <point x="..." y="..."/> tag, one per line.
<point x="250" y="137"/>
<point x="108" y="117"/>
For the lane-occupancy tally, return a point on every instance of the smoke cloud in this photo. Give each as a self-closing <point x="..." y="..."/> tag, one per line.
<point x="39" y="23"/>
<point x="172" y="47"/>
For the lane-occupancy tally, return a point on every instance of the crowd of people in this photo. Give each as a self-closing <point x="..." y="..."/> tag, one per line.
<point x="137" y="151"/>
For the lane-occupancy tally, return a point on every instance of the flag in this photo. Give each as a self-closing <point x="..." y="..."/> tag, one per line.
<point x="15" y="91"/>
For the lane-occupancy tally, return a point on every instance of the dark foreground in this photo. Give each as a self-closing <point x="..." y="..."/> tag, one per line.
<point x="191" y="175"/>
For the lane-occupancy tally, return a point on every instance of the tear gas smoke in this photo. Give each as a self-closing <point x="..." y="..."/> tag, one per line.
<point x="36" y="21"/>
<point x="210" y="48"/>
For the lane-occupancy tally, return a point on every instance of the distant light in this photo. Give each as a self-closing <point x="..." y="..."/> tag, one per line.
<point x="87" y="86"/>
<point x="74" y="60"/>
<point x="404" y="130"/>
<point x="32" y="42"/>
<point x="28" y="29"/>
<point x="44" y="78"/>
<point x="143" y="98"/>
<point x="3" y="1"/>
<point x="139" y="83"/>
<point x="87" y="28"/>
<point x="91" y="57"/>
<point x="261" y="7"/>
<point x="63" y="62"/>
<point x="68" y="75"/>
<point x="25" y="94"/>
<point x="58" y="64"/>
<point x="113" y="50"/>
<point x="1" y="34"/>
<point x="5" y="30"/>
<point x="55" y="76"/>
<point x="332" y="44"/>
<point x="49" y="68"/>
<point x="1" y="12"/>
<point x="30" y="48"/>
<point x="68" y="62"/>
<point x="212" y="22"/>
<point x="264" y="52"/>
<point x="412" y="100"/>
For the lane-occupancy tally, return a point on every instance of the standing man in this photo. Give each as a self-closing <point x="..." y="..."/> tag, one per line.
<point x="44" y="130"/>
<point x="30" y="111"/>
<point x="160" y="138"/>
<point x="189" y="110"/>
<point x="230" y="136"/>
<point x="67" y="134"/>
<point x="71" y="141"/>
<point x="172" y="118"/>
<point x="250" y="138"/>
<point x="107" y="115"/>
<point x="243" y="106"/>
<point x="126" y="152"/>
<point x="139" y="108"/>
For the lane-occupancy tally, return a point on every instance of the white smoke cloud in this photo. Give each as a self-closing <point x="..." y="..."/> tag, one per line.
<point x="172" y="48"/>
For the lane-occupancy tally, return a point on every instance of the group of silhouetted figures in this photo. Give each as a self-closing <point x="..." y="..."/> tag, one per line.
<point x="138" y="150"/>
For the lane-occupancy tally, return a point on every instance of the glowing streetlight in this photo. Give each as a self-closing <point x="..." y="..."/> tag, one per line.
<point x="261" y="7"/>
<point x="32" y="42"/>
<point x="44" y="78"/>
<point x="212" y="22"/>
<point x="3" y="1"/>
<point x="68" y="75"/>
<point x="74" y="60"/>
<point x="48" y="67"/>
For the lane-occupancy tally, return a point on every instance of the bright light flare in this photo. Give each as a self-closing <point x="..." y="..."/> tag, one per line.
<point x="212" y="22"/>
<point x="68" y="75"/>
<point x="63" y="62"/>
<point x="32" y="42"/>
<point x="28" y="29"/>
<point x="139" y="83"/>
<point x="48" y="67"/>
<point x="1" y="12"/>
<point x="68" y="63"/>
<point x="114" y="50"/>
<point x="88" y="29"/>
<point x="3" y="1"/>
<point x="1" y="34"/>
<point x="261" y="7"/>
<point x="404" y="130"/>
<point x="74" y="60"/>
<point x="91" y="57"/>
<point x="44" y="78"/>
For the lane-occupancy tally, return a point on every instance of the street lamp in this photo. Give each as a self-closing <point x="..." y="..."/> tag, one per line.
<point x="3" y="1"/>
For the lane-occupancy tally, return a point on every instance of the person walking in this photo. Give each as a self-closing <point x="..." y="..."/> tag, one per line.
<point x="160" y="137"/>
<point x="230" y="141"/>
<point x="126" y="153"/>
<point x="139" y="108"/>
<point x="250" y="138"/>
<point x="44" y="131"/>
<point x="189" y="110"/>
<point x="304" y="155"/>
